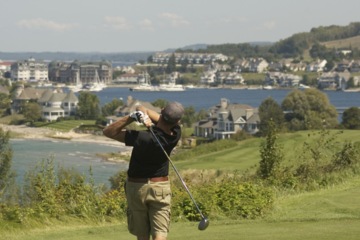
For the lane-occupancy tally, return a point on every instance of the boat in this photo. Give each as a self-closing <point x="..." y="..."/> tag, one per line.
<point x="95" y="86"/>
<point x="77" y="86"/>
<point x="92" y="87"/>
<point x="267" y="87"/>
<point x="144" y="84"/>
<point x="302" y="86"/>
<point x="171" y="86"/>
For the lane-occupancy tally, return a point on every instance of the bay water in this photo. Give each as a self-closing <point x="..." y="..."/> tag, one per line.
<point x="82" y="156"/>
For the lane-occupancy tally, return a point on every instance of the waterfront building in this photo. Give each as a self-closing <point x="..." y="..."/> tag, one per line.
<point x="29" y="70"/>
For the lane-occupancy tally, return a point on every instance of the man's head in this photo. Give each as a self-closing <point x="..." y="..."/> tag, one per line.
<point x="172" y="113"/>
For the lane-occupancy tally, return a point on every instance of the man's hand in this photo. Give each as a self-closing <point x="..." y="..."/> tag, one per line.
<point x="138" y="116"/>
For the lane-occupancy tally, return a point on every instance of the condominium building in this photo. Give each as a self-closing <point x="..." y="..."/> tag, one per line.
<point x="29" y="70"/>
<point x="83" y="72"/>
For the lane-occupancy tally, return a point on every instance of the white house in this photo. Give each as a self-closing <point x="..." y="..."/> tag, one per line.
<point x="227" y="119"/>
<point x="57" y="104"/>
<point x="54" y="102"/>
<point x="317" y="66"/>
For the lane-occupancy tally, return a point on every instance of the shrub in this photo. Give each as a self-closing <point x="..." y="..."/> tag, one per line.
<point x="243" y="200"/>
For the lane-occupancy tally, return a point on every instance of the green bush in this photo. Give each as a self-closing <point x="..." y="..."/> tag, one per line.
<point x="243" y="200"/>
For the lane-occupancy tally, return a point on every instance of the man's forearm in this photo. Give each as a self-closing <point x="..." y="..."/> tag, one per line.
<point x="154" y="116"/>
<point x="115" y="130"/>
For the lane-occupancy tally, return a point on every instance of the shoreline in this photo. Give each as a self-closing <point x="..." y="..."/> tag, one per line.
<point x="25" y="132"/>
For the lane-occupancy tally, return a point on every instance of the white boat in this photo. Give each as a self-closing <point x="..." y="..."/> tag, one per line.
<point x="77" y="86"/>
<point x="95" y="86"/>
<point x="302" y="86"/>
<point x="92" y="87"/>
<point x="144" y="84"/>
<point x="268" y="87"/>
<point x="144" y="87"/>
<point x="171" y="87"/>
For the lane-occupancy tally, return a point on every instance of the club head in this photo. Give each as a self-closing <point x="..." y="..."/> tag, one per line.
<point x="203" y="224"/>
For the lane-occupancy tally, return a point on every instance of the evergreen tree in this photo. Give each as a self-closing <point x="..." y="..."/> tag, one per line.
<point x="171" y="66"/>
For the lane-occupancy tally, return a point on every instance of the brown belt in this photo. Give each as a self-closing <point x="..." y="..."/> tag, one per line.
<point x="145" y="180"/>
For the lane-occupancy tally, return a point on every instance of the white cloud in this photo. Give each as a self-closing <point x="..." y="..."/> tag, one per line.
<point x="174" y="19"/>
<point x="146" y="24"/>
<point x="40" y="23"/>
<point x="269" y="25"/>
<point x="118" y="23"/>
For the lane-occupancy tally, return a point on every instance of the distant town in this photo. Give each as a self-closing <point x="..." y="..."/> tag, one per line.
<point x="188" y="70"/>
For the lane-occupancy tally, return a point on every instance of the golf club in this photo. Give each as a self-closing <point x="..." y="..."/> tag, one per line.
<point x="204" y="223"/>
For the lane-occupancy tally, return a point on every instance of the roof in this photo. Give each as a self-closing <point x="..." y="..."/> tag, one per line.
<point x="70" y="97"/>
<point x="133" y="103"/>
<point x="30" y="93"/>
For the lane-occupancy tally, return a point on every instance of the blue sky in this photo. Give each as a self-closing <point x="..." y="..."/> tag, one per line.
<point x="155" y="25"/>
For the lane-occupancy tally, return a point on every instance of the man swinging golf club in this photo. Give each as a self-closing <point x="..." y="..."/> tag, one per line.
<point x="147" y="188"/>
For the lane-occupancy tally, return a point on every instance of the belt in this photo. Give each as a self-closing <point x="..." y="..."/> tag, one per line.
<point x="145" y="180"/>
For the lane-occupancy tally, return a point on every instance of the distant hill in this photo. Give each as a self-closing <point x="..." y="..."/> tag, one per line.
<point x="125" y="58"/>
<point x="297" y="45"/>
<point x="353" y="42"/>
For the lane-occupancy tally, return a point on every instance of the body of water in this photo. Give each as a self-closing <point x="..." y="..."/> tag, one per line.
<point x="80" y="156"/>
<point x="206" y="98"/>
<point x="27" y="154"/>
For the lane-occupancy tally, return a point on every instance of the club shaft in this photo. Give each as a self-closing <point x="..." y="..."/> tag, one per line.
<point x="177" y="173"/>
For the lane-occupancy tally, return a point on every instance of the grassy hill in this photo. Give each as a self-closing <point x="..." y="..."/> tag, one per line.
<point x="246" y="154"/>
<point x="330" y="213"/>
<point x="353" y="42"/>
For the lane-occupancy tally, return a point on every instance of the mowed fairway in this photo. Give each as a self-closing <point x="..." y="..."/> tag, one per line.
<point x="332" y="213"/>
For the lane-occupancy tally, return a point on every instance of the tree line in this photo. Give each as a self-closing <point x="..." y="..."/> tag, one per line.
<point x="293" y="46"/>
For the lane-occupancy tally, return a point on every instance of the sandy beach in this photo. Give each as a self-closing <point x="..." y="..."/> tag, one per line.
<point x="44" y="133"/>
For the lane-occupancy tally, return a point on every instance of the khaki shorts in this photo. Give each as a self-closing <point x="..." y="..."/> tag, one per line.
<point x="148" y="208"/>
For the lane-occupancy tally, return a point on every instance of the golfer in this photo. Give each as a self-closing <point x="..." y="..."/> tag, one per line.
<point x="147" y="187"/>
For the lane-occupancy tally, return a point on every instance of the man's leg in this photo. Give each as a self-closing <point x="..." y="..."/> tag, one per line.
<point x="137" y="212"/>
<point x="159" y="200"/>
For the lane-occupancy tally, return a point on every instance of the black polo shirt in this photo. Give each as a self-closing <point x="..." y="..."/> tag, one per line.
<point x="147" y="158"/>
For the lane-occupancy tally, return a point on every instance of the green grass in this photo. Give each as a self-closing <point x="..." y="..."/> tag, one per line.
<point x="246" y="155"/>
<point x="328" y="214"/>
<point x="65" y="126"/>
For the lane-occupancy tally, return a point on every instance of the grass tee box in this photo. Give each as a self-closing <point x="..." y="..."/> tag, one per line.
<point x="65" y="126"/>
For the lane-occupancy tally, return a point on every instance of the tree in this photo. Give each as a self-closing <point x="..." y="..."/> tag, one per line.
<point x="309" y="109"/>
<point x="32" y="111"/>
<point x="350" y="83"/>
<point x="161" y="103"/>
<point x="271" y="154"/>
<point x="5" y="102"/>
<point x="171" y="66"/>
<point x="189" y="116"/>
<point x="88" y="106"/>
<point x="109" y="108"/>
<point x="351" y="118"/>
<point x="5" y="161"/>
<point x="270" y="111"/>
